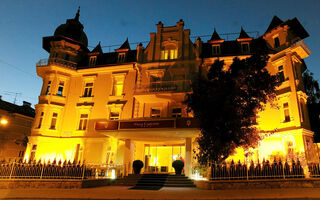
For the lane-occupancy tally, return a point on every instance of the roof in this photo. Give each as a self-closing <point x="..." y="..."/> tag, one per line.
<point x="243" y="34"/>
<point x="97" y="49"/>
<point x="109" y="59"/>
<point x="25" y="110"/>
<point x="125" y="45"/>
<point x="294" y="25"/>
<point x="276" y="21"/>
<point x="215" y="35"/>
<point x="233" y="48"/>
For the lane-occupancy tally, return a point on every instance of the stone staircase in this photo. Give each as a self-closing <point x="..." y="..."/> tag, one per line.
<point x="178" y="181"/>
<point x="157" y="181"/>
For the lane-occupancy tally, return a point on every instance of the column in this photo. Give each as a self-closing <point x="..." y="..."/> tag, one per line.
<point x="127" y="157"/>
<point x="188" y="157"/>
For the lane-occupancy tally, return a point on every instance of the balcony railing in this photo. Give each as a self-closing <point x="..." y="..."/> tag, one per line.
<point x="57" y="61"/>
<point x="164" y="86"/>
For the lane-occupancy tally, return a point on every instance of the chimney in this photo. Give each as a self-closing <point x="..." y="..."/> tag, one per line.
<point x="25" y="103"/>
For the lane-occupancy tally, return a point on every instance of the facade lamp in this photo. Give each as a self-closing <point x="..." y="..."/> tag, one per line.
<point x="3" y="121"/>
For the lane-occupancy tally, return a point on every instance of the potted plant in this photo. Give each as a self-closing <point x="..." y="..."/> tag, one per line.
<point x="137" y="166"/>
<point x="178" y="166"/>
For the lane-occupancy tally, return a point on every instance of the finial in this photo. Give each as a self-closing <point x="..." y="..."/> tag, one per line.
<point x="77" y="15"/>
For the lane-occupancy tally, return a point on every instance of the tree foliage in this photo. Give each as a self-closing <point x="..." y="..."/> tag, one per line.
<point x="311" y="87"/>
<point x="226" y="102"/>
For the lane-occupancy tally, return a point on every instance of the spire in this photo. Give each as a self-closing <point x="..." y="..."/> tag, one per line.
<point x="276" y="21"/>
<point x="125" y="45"/>
<point x="243" y="34"/>
<point x="97" y="49"/>
<point x="77" y="15"/>
<point x="215" y="36"/>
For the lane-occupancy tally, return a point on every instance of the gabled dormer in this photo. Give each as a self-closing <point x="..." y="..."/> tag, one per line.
<point x="123" y="51"/>
<point x="93" y="55"/>
<point x="215" y="42"/>
<point x="244" y="39"/>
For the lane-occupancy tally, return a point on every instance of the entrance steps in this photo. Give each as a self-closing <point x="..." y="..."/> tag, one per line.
<point x="157" y="181"/>
<point x="178" y="181"/>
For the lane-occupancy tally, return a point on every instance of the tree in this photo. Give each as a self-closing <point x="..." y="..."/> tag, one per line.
<point x="311" y="87"/>
<point x="226" y="102"/>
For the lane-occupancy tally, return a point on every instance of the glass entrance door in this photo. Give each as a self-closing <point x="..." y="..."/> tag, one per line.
<point x="159" y="158"/>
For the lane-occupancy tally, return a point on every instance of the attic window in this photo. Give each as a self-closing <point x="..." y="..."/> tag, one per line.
<point x="92" y="61"/>
<point x="245" y="47"/>
<point x="121" y="57"/>
<point x="215" y="49"/>
<point x="276" y="42"/>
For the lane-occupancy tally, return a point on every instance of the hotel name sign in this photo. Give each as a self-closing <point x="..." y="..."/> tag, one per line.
<point x="147" y="124"/>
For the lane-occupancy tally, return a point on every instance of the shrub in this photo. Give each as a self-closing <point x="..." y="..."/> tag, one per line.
<point x="137" y="166"/>
<point x="178" y="166"/>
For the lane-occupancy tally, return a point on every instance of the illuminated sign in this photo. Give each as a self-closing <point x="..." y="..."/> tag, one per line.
<point x="145" y="124"/>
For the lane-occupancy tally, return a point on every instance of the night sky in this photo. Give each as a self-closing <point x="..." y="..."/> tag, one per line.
<point x="24" y="23"/>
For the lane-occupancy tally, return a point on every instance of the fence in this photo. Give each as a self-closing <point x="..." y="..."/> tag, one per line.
<point x="45" y="171"/>
<point x="264" y="170"/>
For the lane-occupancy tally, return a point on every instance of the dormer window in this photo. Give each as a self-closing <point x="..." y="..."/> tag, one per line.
<point x="216" y="49"/>
<point x="276" y="42"/>
<point x="92" y="61"/>
<point x="121" y="57"/>
<point x="245" y="48"/>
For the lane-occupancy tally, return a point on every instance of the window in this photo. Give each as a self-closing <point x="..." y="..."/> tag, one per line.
<point x="173" y="54"/>
<point x="40" y="120"/>
<point x="276" y="42"/>
<point x="176" y="112"/>
<point x="92" y="61"/>
<point x="83" y="122"/>
<point x="21" y="153"/>
<point x="60" y="88"/>
<point x="118" y="85"/>
<point x="302" y="110"/>
<point x="114" y="116"/>
<point x="286" y="112"/>
<point x="121" y="57"/>
<point x="48" y="88"/>
<point x="281" y="73"/>
<point x="245" y="48"/>
<point x="155" y="113"/>
<point x="88" y="90"/>
<point x="54" y="121"/>
<point x="67" y="57"/>
<point x="215" y="49"/>
<point x="169" y="54"/>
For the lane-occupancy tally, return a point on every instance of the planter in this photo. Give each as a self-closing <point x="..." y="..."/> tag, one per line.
<point x="137" y="166"/>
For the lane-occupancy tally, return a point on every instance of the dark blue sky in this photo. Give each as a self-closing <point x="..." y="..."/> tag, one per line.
<point x="24" y="23"/>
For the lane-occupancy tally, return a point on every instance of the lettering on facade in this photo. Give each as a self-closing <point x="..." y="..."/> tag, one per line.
<point x="147" y="124"/>
<point x="172" y="123"/>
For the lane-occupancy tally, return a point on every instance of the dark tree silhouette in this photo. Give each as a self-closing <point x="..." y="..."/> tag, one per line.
<point x="311" y="87"/>
<point x="226" y="102"/>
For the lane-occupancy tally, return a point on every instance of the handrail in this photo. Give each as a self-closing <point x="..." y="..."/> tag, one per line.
<point x="57" y="61"/>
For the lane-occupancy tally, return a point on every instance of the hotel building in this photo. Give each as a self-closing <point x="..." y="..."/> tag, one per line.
<point x="113" y="108"/>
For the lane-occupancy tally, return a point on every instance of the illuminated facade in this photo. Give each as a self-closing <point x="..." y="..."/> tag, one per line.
<point x="15" y="126"/>
<point x="113" y="108"/>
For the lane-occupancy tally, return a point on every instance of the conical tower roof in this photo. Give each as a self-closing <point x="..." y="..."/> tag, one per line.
<point x="215" y="36"/>
<point x="243" y="34"/>
<point x="276" y="21"/>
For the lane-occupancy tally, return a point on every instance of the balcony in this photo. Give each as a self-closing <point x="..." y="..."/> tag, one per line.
<point x="57" y="61"/>
<point x="164" y="87"/>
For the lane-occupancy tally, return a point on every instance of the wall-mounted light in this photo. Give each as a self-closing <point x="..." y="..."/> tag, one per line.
<point x="3" y="121"/>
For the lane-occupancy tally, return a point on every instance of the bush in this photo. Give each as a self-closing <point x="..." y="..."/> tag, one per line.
<point x="137" y="166"/>
<point x="178" y="166"/>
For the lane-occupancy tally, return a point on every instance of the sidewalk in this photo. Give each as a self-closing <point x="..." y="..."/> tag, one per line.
<point x="120" y="192"/>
